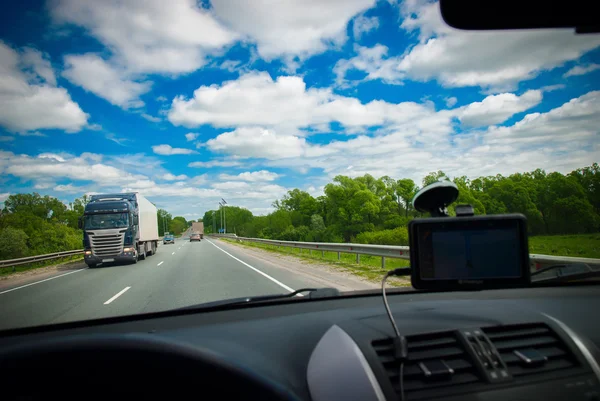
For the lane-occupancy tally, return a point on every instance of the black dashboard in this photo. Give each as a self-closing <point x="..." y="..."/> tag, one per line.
<point x="535" y="343"/>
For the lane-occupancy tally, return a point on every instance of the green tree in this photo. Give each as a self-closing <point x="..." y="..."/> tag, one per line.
<point x="178" y="225"/>
<point x="164" y="219"/>
<point x="405" y="192"/>
<point x="278" y="222"/>
<point x="317" y="228"/>
<point x="589" y="178"/>
<point x="351" y="206"/>
<point x="466" y="196"/>
<point x="300" y="204"/>
<point x="13" y="243"/>
<point x="434" y="177"/>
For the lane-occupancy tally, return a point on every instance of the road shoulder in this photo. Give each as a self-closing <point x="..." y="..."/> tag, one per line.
<point x="325" y="274"/>
<point x="29" y="276"/>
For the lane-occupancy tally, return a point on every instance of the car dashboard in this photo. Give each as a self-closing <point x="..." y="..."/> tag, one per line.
<point x="535" y="343"/>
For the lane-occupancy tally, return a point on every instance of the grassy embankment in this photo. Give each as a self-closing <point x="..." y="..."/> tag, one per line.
<point x="581" y="245"/>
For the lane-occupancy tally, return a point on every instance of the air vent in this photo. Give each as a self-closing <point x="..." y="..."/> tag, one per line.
<point x="436" y="349"/>
<point x="530" y="349"/>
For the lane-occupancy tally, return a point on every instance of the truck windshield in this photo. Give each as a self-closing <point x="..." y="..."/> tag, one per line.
<point x="109" y="220"/>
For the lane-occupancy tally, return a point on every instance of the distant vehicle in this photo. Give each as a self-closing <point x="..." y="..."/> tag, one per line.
<point x="168" y="239"/>
<point x="195" y="237"/>
<point x="198" y="227"/>
<point x="118" y="228"/>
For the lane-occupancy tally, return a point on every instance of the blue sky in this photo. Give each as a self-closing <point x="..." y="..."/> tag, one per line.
<point x="189" y="102"/>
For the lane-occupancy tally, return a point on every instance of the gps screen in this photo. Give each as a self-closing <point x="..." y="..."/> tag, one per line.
<point x="466" y="254"/>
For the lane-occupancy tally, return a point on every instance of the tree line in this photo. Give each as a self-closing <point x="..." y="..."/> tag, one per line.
<point x="377" y="210"/>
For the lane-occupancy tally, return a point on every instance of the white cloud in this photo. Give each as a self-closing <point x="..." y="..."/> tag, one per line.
<point x="230" y="65"/>
<point x="581" y="70"/>
<point x="569" y="125"/>
<point x="4" y="196"/>
<point x="231" y="185"/>
<point x="152" y="189"/>
<point x="362" y="25"/>
<point x="190" y="136"/>
<point x="91" y="156"/>
<point x="29" y="101"/>
<point x="40" y="64"/>
<point x="373" y="61"/>
<point x="44" y="185"/>
<point x="215" y="163"/>
<point x="69" y="188"/>
<point x="151" y="36"/>
<point x="199" y="179"/>
<point x="258" y="142"/>
<point x="52" y="156"/>
<point x="551" y="88"/>
<point x="456" y="58"/>
<point x="562" y="139"/>
<point x="451" y="101"/>
<point x="255" y="99"/>
<point x="161" y="99"/>
<point x="290" y="28"/>
<point x="53" y="166"/>
<point x="150" y="118"/>
<point x="496" y="109"/>
<point x="172" y="177"/>
<point x="113" y="137"/>
<point x="104" y="80"/>
<point x="167" y="150"/>
<point x="252" y="176"/>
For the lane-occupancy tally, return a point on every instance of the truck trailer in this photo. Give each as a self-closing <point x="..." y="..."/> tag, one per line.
<point x="198" y="228"/>
<point x="121" y="228"/>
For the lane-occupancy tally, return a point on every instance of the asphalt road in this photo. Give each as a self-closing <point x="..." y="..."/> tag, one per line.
<point x="181" y="274"/>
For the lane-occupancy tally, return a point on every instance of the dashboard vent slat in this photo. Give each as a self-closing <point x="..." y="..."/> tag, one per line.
<point x="524" y="342"/>
<point x="536" y="337"/>
<point x="444" y="347"/>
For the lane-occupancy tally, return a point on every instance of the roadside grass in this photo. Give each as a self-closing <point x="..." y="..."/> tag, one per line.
<point x="7" y="271"/>
<point x="580" y="245"/>
<point x="369" y="267"/>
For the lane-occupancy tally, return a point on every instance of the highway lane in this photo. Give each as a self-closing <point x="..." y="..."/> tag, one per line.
<point x="183" y="274"/>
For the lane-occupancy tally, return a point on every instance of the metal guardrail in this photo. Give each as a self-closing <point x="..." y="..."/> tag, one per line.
<point x="38" y="258"/>
<point x="536" y="261"/>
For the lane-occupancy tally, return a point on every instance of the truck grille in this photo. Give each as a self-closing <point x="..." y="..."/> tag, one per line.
<point x="107" y="244"/>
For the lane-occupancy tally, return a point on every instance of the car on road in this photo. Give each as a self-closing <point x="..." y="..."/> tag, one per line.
<point x="168" y="239"/>
<point x="195" y="237"/>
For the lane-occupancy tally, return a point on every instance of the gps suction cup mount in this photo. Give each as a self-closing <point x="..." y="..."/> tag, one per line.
<point x="435" y="198"/>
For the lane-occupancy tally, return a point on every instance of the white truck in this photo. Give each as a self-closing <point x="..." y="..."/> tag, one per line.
<point x="119" y="228"/>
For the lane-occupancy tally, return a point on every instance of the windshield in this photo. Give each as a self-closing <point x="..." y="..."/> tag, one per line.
<point x="230" y="123"/>
<point x="109" y="220"/>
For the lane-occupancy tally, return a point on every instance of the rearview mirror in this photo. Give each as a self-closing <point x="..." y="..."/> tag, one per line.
<point x="521" y="14"/>
<point x="80" y="223"/>
<point x="135" y="220"/>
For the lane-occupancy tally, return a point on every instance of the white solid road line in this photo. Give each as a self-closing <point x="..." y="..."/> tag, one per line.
<point x="41" y="281"/>
<point x="160" y="263"/>
<point x="279" y="283"/>
<point x="117" y="295"/>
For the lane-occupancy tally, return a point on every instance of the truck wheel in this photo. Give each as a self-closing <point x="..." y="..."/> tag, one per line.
<point x="142" y="252"/>
<point x="151" y="252"/>
<point x="92" y="265"/>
